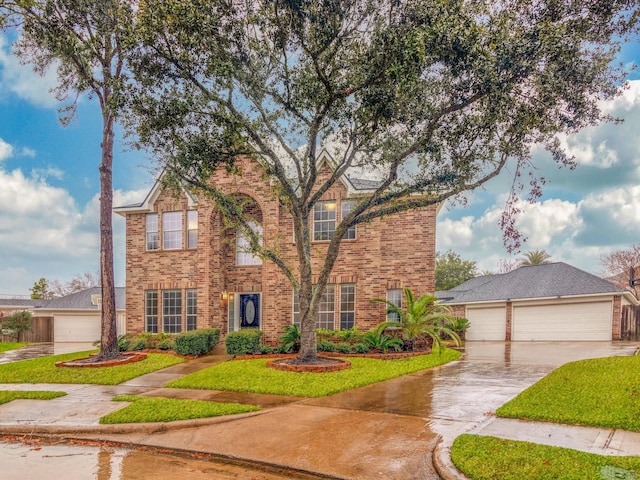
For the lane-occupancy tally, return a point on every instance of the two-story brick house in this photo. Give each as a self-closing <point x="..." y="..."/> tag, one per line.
<point x="186" y="268"/>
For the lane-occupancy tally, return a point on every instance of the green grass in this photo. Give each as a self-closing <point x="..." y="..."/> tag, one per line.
<point x="6" y="346"/>
<point x="602" y="392"/>
<point x="151" y="409"/>
<point x="253" y="376"/>
<point x="7" y="396"/>
<point x="490" y="458"/>
<point x="43" y="370"/>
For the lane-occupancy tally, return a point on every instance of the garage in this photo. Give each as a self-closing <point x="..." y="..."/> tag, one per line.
<point x="588" y="321"/>
<point x="486" y="323"/>
<point x="70" y="328"/>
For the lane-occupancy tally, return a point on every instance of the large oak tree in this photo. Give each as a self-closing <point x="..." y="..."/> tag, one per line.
<point x="431" y="98"/>
<point x="85" y="41"/>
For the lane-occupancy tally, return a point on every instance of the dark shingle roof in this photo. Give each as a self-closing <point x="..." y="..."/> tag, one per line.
<point x="537" y="281"/>
<point x="20" y="302"/>
<point x="82" y="300"/>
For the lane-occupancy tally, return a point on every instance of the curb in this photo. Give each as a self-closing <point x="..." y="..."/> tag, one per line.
<point x="123" y="428"/>
<point x="443" y="464"/>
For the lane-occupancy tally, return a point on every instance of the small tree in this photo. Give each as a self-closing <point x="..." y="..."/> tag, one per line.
<point x="452" y="270"/>
<point x="40" y="290"/>
<point x="420" y="318"/>
<point x="17" y="323"/>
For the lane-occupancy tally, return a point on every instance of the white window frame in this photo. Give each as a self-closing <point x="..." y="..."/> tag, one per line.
<point x="191" y="309"/>
<point x="172" y="310"/>
<point x="324" y="220"/>
<point x="192" y="228"/>
<point x="152" y="238"/>
<point x="347" y="315"/>
<point x="394" y="295"/>
<point x="345" y="209"/>
<point x="151" y="311"/>
<point x="172" y="230"/>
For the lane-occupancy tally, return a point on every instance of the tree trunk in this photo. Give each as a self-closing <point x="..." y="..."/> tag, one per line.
<point x="108" y="338"/>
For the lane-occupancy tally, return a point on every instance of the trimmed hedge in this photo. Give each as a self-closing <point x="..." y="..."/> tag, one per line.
<point x="243" y="342"/>
<point x="197" y="342"/>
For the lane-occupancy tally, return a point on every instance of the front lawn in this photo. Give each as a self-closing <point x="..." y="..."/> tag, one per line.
<point x="43" y="370"/>
<point x="10" y="395"/>
<point x="603" y="392"/>
<point x="152" y="409"/>
<point x="253" y="375"/>
<point x="490" y="458"/>
<point x="6" y="346"/>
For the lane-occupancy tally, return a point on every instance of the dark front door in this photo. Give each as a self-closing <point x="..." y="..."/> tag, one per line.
<point x="250" y="310"/>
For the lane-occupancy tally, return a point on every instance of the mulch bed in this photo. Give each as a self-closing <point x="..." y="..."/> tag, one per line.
<point x="94" y="361"/>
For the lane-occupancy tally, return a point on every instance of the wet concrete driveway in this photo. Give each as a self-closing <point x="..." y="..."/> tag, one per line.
<point x="460" y="396"/>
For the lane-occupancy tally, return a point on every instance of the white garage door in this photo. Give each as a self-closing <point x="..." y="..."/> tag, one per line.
<point x="67" y="328"/>
<point x="487" y="323"/>
<point x="563" y="322"/>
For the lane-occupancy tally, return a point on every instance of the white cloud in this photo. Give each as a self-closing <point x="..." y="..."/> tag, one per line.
<point x="44" y="233"/>
<point x="6" y="150"/>
<point x="23" y="81"/>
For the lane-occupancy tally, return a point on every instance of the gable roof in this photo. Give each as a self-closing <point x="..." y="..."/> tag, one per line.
<point x="551" y="280"/>
<point x="82" y="300"/>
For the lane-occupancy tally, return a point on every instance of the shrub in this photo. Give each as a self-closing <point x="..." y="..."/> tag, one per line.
<point x="361" y="348"/>
<point x="196" y="342"/>
<point x="124" y="342"/>
<point x="326" y="346"/>
<point x="243" y="342"/>
<point x="343" y="347"/>
<point x="350" y="335"/>
<point x="266" y="349"/>
<point x="138" y="343"/>
<point x="377" y="340"/>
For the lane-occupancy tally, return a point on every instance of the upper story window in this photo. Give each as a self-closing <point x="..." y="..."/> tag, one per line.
<point x="347" y="206"/>
<point x="172" y="230"/>
<point x="324" y="220"/>
<point x="192" y="229"/>
<point x="152" y="231"/>
<point x="244" y="255"/>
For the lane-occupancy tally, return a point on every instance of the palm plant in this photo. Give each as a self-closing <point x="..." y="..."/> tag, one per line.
<point x="534" y="257"/>
<point x="420" y="318"/>
<point x="377" y="340"/>
<point x="290" y="339"/>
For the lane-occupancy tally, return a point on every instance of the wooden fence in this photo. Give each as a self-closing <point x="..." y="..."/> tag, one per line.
<point x="630" y="323"/>
<point x="41" y="331"/>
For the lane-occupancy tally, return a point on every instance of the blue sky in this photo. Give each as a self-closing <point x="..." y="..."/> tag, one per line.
<point x="49" y="188"/>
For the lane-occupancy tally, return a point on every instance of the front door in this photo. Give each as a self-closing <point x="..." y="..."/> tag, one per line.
<point x="249" y="310"/>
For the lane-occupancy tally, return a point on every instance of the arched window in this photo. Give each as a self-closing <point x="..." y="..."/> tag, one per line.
<point x="244" y="256"/>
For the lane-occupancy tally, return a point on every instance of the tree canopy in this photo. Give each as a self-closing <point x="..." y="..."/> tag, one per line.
<point x="431" y="99"/>
<point x="534" y="257"/>
<point x="452" y="270"/>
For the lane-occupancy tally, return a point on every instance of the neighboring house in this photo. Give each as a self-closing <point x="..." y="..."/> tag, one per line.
<point x="548" y="302"/>
<point x="72" y="318"/>
<point x="186" y="268"/>
<point x="77" y="317"/>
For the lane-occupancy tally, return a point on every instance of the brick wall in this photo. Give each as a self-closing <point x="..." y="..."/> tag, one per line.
<point x="392" y="252"/>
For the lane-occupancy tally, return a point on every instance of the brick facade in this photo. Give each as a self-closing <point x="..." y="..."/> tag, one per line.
<point x="392" y="252"/>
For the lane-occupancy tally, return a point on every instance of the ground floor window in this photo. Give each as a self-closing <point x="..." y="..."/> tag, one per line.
<point x="330" y="303"/>
<point x="151" y="311"/>
<point x="394" y="295"/>
<point x="347" y="306"/>
<point x="192" y="309"/>
<point x="170" y="311"/>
